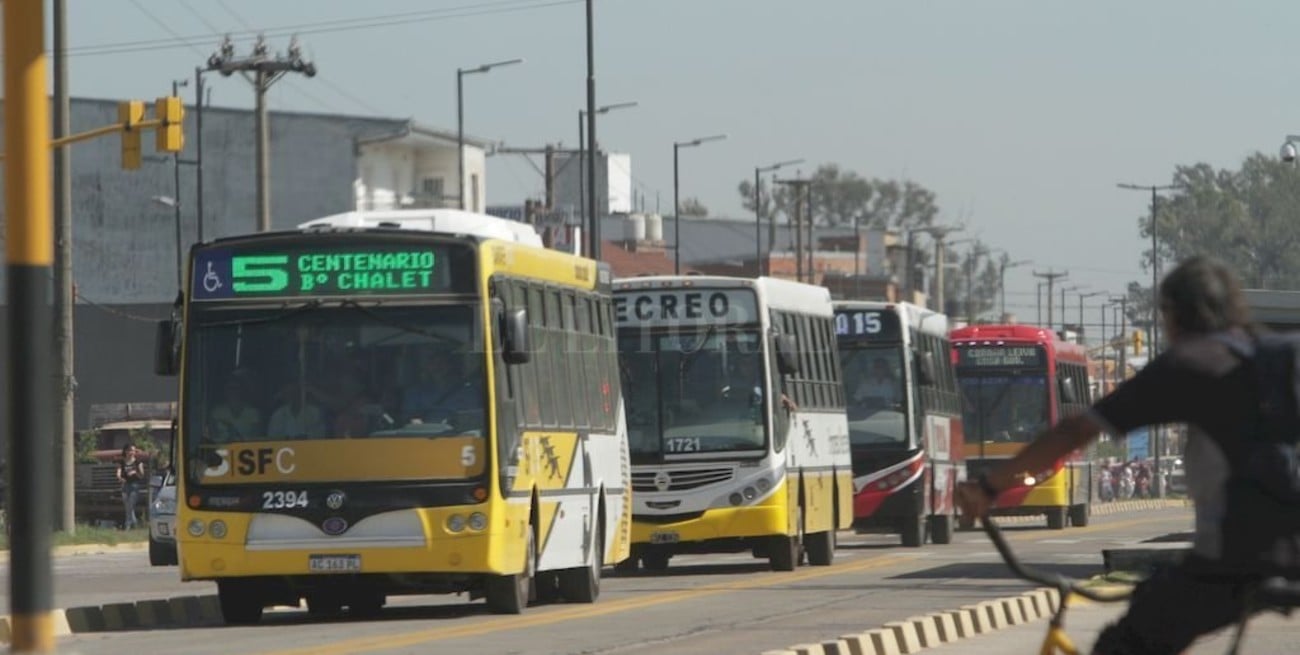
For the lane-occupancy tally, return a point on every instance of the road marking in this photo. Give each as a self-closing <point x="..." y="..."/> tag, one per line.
<point x="367" y="644"/>
<point x="1058" y="541"/>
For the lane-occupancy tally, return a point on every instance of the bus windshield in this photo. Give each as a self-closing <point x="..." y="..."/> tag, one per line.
<point x="1006" y="408"/>
<point x="875" y="394"/>
<point x="699" y="392"/>
<point x="332" y="372"/>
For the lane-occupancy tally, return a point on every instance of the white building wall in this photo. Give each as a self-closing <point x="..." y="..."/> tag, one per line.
<point x="392" y="174"/>
<point x="613" y="183"/>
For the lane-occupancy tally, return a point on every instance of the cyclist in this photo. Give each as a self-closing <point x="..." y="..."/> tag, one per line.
<point x="1197" y="381"/>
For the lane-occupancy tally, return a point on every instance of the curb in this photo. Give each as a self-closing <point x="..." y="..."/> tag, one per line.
<point x="1097" y="508"/>
<point x="90" y="549"/>
<point x="917" y="633"/>
<point x="175" y="612"/>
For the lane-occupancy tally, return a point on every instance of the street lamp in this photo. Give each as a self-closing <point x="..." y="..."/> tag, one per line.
<point x="1002" y="282"/>
<point x="1092" y="294"/>
<point x="168" y="201"/>
<point x="582" y="153"/>
<point x="1288" y="153"/>
<point x="677" y="207"/>
<point x="460" y="119"/>
<point x="758" y="213"/>
<point x="1064" y="289"/>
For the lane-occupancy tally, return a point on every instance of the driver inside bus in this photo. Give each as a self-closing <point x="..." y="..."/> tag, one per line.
<point x="235" y="418"/>
<point x="448" y="391"/>
<point x="880" y="387"/>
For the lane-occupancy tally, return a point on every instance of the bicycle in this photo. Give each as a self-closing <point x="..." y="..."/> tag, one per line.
<point x="1271" y="594"/>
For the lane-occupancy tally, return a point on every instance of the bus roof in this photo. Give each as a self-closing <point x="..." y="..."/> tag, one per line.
<point x="921" y="319"/>
<point x="1279" y="310"/>
<point x="1021" y="334"/>
<point x="443" y="221"/>
<point x="776" y="293"/>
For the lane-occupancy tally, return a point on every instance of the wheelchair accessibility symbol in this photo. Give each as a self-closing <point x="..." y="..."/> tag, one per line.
<point x="211" y="281"/>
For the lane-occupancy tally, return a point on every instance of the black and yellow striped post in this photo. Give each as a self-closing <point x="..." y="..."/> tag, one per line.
<point x="29" y="251"/>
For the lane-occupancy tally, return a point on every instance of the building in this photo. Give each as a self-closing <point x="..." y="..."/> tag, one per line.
<point x="613" y="182"/>
<point x="126" y="234"/>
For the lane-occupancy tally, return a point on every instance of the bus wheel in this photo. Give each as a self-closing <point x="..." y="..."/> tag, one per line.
<point x="913" y="531"/>
<point x="1056" y="518"/>
<point x="241" y="604"/>
<point x="655" y="560"/>
<point x="508" y="594"/>
<point x="582" y="584"/>
<point x="366" y="605"/>
<point x="1079" y="515"/>
<point x="323" y="605"/>
<point x="820" y="547"/>
<point x="941" y="529"/>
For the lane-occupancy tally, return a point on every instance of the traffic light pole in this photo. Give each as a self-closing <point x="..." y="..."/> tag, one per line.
<point x="29" y="254"/>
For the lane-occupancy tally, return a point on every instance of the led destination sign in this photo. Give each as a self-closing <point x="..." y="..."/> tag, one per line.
<point x="1001" y="356"/>
<point x="301" y="270"/>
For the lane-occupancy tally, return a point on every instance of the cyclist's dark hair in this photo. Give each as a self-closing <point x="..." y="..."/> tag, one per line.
<point x="1202" y="295"/>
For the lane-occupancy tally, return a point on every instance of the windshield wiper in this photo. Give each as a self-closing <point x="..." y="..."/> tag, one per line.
<point x="269" y="318"/>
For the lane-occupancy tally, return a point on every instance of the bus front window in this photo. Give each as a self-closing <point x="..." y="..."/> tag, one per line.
<point x="314" y="373"/>
<point x="1006" y="408"/>
<point x="693" y="392"/>
<point x="877" y="398"/>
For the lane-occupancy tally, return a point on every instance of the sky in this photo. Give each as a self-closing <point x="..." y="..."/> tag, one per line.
<point x="1021" y="115"/>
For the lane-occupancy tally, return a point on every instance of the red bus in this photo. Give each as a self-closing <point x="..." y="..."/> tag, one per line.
<point x="905" y="421"/>
<point x="1015" y="381"/>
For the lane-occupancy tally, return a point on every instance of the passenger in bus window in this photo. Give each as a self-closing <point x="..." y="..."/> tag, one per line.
<point x="354" y="416"/>
<point x="880" y="388"/>
<point x="235" y="419"/>
<point x="449" y="389"/>
<point x="297" y="417"/>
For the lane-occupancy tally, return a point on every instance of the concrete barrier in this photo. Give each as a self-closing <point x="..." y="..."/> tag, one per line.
<point x="859" y="644"/>
<point x="885" y="642"/>
<point x="945" y="626"/>
<point x="905" y="635"/>
<point x="177" y="612"/>
<point x="926" y="631"/>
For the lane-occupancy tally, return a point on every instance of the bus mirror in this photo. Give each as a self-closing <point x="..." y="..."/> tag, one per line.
<point x="924" y="368"/>
<point x="1067" y="392"/>
<point x="787" y="361"/>
<point x="165" y="350"/>
<point x="516" y="349"/>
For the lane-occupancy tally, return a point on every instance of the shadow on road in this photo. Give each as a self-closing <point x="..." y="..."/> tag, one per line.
<point x="999" y="571"/>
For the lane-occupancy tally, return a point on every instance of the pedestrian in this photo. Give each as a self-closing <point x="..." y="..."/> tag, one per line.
<point x="131" y="474"/>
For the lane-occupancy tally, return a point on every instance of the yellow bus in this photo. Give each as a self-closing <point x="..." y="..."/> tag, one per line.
<point x="736" y="420"/>
<point x="400" y="402"/>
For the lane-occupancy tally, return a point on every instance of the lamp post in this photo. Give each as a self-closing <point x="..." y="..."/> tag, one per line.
<point x="1092" y="294"/>
<point x="460" y="120"/>
<point x="1155" y="301"/>
<point x="1003" y="265"/>
<point x="1074" y="287"/>
<point x="758" y="214"/>
<point x="677" y="206"/>
<point x="582" y="156"/>
<point x="174" y="204"/>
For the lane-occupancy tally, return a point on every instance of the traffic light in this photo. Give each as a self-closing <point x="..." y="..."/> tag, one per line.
<point x="130" y="113"/>
<point x="1137" y="342"/>
<point x="170" y="137"/>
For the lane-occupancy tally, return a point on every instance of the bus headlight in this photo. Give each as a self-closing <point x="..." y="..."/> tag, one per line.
<point x="196" y="527"/>
<point x="1030" y="481"/>
<point x="477" y="521"/>
<point x="736" y="498"/>
<point x="749" y="493"/>
<point x="764" y="484"/>
<point x="217" y="529"/>
<point x="455" y="523"/>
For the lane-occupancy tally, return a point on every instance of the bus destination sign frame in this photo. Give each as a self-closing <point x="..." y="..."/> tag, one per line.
<point x="1001" y="356"/>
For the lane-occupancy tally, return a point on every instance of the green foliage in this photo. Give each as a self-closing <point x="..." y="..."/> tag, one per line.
<point x="693" y="207"/>
<point x="1247" y="218"/>
<point x="845" y="198"/>
<point x="87" y="444"/>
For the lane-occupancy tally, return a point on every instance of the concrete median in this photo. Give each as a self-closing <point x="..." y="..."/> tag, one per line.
<point x="175" y="612"/>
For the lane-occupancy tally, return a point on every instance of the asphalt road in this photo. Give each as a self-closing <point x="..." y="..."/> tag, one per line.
<point x="702" y="605"/>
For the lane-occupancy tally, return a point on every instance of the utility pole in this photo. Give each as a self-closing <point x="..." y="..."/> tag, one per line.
<point x="198" y="145"/>
<point x="801" y="187"/>
<point x="547" y="170"/>
<point x="65" y="303"/>
<point x="1075" y="287"/>
<point x="1051" y="277"/>
<point x="594" y="234"/>
<point x="1121" y="349"/>
<point x="261" y="70"/>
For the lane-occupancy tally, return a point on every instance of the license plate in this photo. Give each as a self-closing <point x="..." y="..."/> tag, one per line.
<point x="664" y="537"/>
<point x="162" y="530"/>
<point x="334" y="563"/>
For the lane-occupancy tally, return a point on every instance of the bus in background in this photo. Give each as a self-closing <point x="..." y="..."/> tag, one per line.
<point x="397" y="402"/>
<point x="905" y="422"/>
<point x="735" y="418"/>
<point x="1016" y="380"/>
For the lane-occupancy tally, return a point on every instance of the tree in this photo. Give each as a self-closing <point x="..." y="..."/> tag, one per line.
<point x="842" y="197"/>
<point x="693" y="207"/>
<point x="971" y="286"/>
<point x="1247" y="218"/>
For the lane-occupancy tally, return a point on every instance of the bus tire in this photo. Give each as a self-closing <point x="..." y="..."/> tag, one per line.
<point x="1056" y="518"/>
<point x="1079" y="515"/>
<point x="241" y="604"/>
<point x="324" y="605"/>
<point x="783" y="552"/>
<point x="821" y="548"/>
<point x="366" y="605"/>
<point x="509" y="594"/>
<point x="161" y="554"/>
<point x="913" y="531"/>
<point x="582" y="584"/>
<point x="941" y="529"/>
<point x="654" y="559"/>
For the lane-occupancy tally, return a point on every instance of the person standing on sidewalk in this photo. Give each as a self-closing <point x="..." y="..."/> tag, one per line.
<point x="1198" y="380"/>
<point x="131" y="474"/>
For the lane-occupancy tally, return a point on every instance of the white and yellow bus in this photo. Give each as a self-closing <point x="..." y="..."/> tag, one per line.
<point x="736" y="419"/>
<point x="403" y="402"/>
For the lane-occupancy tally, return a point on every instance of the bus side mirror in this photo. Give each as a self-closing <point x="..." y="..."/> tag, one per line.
<point x="787" y="360"/>
<point x="165" y="352"/>
<point x="171" y="452"/>
<point x="1067" y="392"/>
<point x="923" y="362"/>
<point x="516" y="349"/>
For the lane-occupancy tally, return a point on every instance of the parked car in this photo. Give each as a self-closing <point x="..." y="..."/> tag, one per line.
<point x="162" y="525"/>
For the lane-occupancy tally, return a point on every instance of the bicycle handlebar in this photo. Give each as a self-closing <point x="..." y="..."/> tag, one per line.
<point x="1054" y="580"/>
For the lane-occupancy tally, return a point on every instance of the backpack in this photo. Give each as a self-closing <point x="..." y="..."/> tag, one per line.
<point x="1261" y="524"/>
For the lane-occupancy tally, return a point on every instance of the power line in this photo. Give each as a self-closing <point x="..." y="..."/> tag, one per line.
<point x="156" y="21"/>
<point x="325" y="27"/>
<point x="238" y="19"/>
